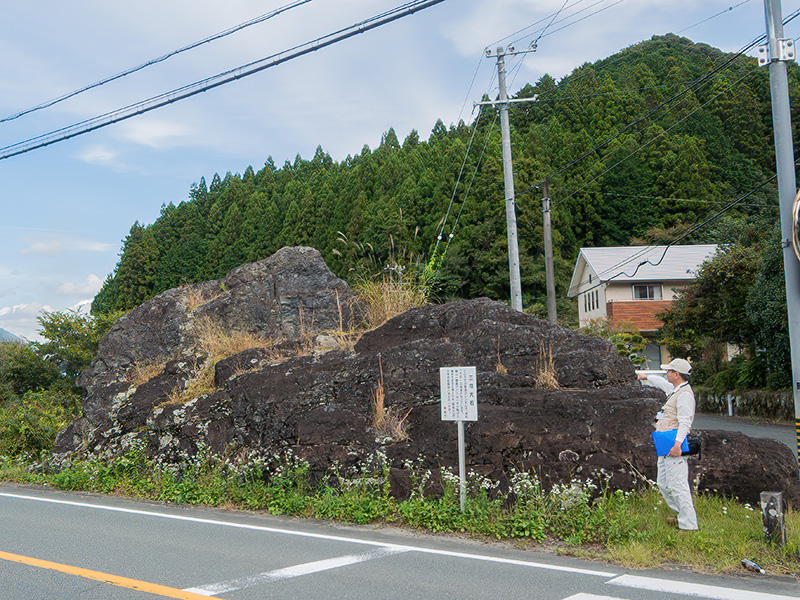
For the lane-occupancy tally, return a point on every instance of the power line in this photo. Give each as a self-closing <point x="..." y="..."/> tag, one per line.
<point x="666" y="198"/>
<point x="650" y="113"/>
<point x="212" y="82"/>
<point x="551" y="20"/>
<point x="693" y="85"/>
<point x="652" y="140"/>
<point x="555" y="16"/>
<point x="154" y="61"/>
<point x="722" y="12"/>
<point x="694" y="229"/>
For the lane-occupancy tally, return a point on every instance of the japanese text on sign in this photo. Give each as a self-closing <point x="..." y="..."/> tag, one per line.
<point x="459" y="388"/>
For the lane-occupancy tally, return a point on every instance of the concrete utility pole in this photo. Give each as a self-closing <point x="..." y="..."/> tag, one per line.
<point x="776" y="53"/>
<point x="508" y="172"/>
<point x="549" y="267"/>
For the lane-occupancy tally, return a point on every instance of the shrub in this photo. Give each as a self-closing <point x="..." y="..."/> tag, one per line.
<point x="23" y="370"/>
<point x="29" y="425"/>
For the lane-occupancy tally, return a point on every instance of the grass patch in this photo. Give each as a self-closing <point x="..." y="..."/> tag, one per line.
<point x="389" y="296"/>
<point x="194" y="297"/>
<point x="580" y="518"/>
<point x="145" y="370"/>
<point x="386" y="419"/>
<point x="729" y="531"/>
<point x="220" y="342"/>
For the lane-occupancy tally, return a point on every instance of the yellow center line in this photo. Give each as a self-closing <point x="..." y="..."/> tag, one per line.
<point x="133" y="584"/>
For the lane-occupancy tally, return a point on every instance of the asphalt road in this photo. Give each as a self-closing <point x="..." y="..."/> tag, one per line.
<point x="68" y="545"/>
<point x="759" y="428"/>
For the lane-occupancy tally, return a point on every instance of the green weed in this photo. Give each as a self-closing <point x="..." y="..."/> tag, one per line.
<point x="582" y="518"/>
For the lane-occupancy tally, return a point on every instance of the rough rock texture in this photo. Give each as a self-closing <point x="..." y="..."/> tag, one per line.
<point x="290" y="296"/>
<point x="598" y="420"/>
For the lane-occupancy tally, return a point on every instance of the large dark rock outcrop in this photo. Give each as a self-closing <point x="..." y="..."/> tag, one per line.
<point x="596" y="423"/>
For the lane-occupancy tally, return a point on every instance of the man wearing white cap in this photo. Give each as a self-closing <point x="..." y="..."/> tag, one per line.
<point x="677" y="413"/>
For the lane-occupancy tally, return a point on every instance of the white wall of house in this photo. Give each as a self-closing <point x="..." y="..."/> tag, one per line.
<point x="624" y="292"/>
<point x="592" y="305"/>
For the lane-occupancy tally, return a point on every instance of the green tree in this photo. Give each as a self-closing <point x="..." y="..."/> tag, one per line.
<point x="71" y="338"/>
<point x="23" y="370"/>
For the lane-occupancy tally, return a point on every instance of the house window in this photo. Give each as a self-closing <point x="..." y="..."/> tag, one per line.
<point x="647" y="292"/>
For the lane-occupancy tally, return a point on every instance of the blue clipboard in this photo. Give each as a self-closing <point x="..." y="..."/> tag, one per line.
<point x="665" y="440"/>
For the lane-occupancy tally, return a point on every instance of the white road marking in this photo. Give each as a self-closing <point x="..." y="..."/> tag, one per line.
<point x="583" y="596"/>
<point x="289" y="572"/>
<point x="693" y="589"/>
<point x="320" y="536"/>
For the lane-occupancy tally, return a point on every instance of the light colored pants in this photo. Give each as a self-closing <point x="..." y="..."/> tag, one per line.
<point x="673" y="481"/>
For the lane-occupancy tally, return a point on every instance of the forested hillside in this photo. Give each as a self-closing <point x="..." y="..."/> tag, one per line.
<point x="623" y="168"/>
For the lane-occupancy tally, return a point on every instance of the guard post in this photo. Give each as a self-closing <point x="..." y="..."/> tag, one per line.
<point x="459" y="393"/>
<point x="772" y="517"/>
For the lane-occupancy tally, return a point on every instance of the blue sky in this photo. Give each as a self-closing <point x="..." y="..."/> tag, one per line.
<point x="67" y="207"/>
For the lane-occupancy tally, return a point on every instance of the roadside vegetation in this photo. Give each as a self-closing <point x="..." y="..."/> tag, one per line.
<point x="583" y="519"/>
<point x="393" y="205"/>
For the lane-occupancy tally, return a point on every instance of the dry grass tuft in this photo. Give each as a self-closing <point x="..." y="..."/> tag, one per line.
<point x="201" y="384"/>
<point x="220" y="343"/>
<point x="545" y="375"/>
<point x="193" y="297"/>
<point x="306" y="336"/>
<point x="145" y="370"/>
<point x="388" y="297"/>
<point x="387" y="420"/>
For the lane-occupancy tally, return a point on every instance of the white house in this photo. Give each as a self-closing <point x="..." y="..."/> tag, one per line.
<point x="632" y="284"/>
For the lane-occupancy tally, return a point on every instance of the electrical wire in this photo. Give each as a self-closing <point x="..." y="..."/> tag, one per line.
<point x="652" y="140"/>
<point x="585" y="17"/>
<point x="489" y="131"/>
<point x="215" y="81"/>
<point x="664" y="198"/>
<point x="694" y="229"/>
<point x="722" y="12"/>
<point x="704" y="78"/>
<point x="555" y="16"/>
<point x="542" y="32"/>
<point x="656" y="137"/>
<point x="154" y="61"/>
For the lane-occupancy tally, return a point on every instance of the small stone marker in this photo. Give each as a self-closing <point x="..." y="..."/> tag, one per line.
<point x="772" y="516"/>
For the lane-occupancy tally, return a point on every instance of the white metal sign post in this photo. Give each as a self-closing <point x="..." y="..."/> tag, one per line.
<point x="459" y="389"/>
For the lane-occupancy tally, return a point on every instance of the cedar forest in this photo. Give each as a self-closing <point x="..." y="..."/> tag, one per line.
<point x="665" y="142"/>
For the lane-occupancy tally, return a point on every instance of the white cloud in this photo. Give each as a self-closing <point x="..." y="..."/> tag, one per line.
<point x="58" y="246"/>
<point x="99" y="154"/>
<point x="49" y="248"/>
<point x="155" y="133"/>
<point x="89" y="287"/>
<point x="20" y="319"/>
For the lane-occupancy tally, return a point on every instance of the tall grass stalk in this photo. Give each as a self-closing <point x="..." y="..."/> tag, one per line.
<point x="389" y="296"/>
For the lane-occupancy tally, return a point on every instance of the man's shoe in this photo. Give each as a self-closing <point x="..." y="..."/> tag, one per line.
<point x="672" y="520"/>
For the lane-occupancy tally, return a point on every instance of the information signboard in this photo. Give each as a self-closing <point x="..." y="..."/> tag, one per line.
<point x="459" y="389"/>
